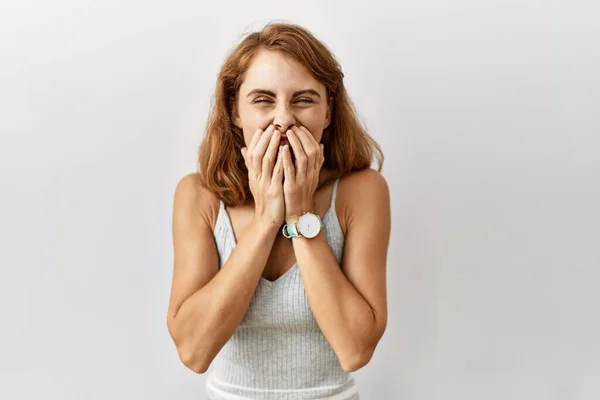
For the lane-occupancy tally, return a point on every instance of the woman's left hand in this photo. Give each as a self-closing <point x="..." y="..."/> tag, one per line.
<point x="301" y="180"/>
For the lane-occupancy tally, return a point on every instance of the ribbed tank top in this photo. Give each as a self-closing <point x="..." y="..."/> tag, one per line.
<point x="278" y="351"/>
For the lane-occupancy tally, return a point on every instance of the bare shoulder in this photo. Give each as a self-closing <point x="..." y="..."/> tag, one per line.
<point x="195" y="254"/>
<point x="365" y="178"/>
<point x="192" y="197"/>
<point x="363" y="192"/>
<point x="364" y="261"/>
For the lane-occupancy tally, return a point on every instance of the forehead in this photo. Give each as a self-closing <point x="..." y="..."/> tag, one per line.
<point x="273" y="71"/>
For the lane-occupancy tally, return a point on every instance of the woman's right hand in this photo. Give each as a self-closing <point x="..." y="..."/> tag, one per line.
<point x="265" y="175"/>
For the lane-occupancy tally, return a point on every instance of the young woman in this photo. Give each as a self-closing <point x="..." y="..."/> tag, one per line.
<point x="281" y="238"/>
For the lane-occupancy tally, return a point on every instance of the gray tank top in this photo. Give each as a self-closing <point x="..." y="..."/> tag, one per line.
<point x="278" y="351"/>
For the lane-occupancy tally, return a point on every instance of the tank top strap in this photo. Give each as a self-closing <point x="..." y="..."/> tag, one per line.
<point x="334" y="193"/>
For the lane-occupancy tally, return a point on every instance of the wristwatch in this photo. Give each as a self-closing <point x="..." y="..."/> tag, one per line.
<point x="309" y="225"/>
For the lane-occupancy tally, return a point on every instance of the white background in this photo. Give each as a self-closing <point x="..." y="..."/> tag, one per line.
<point x="489" y="116"/>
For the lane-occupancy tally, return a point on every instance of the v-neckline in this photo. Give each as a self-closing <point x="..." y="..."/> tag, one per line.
<point x="234" y="241"/>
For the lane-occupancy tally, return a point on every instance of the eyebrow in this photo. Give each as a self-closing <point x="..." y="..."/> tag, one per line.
<point x="272" y="94"/>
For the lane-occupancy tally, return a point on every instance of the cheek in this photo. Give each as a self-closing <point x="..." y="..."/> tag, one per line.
<point x="251" y="120"/>
<point x="314" y="122"/>
<point x="316" y="131"/>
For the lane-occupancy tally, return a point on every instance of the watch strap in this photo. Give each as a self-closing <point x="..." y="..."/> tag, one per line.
<point x="290" y="230"/>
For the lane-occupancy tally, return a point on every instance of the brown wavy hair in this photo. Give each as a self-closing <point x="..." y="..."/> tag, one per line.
<point x="348" y="146"/>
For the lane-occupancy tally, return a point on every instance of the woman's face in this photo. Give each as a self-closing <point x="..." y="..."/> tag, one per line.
<point x="277" y="90"/>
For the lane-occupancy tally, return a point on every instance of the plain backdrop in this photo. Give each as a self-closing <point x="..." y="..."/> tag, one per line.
<point x="489" y="116"/>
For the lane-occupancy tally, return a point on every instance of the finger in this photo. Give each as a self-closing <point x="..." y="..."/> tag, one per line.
<point x="289" y="172"/>
<point x="270" y="155"/>
<point x="301" y="158"/>
<point x="253" y="141"/>
<point x="309" y="135"/>
<point x="255" y="137"/>
<point x="258" y="151"/>
<point x="278" y="169"/>
<point x="264" y="140"/>
<point x="310" y="146"/>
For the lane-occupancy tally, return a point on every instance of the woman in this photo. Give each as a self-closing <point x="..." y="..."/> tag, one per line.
<point x="280" y="239"/>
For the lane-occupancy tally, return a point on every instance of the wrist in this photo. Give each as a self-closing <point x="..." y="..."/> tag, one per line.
<point x="292" y="219"/>
<point x="265" y="226"/>
<point x="308" y="224"/>
<point x="295" y="215"/>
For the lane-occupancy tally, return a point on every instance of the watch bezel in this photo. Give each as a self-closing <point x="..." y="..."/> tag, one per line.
<point x="305" y="218"/>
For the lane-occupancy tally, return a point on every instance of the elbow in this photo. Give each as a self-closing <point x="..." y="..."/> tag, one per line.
<point x="193" y="361"/>
<point x="358" y="360"/>
<point x="188" y="353"/>
<point x="363" y="354"/>
<point x="196" y="366"/>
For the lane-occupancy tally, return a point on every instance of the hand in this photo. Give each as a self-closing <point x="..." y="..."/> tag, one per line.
<point x="301" y="180"/>
<point x="265" y="179"/>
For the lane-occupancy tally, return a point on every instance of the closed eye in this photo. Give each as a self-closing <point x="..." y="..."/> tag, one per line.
<point x="265" y="100"/>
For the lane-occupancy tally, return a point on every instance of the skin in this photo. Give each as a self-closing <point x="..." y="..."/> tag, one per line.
<point x="279" y="94"/>
<point x="348" y="299"/>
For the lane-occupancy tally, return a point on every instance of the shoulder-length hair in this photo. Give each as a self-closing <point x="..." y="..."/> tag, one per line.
<point x="348" y="146"/>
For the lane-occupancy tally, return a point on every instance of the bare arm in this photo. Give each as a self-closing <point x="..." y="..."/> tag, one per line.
<point x="350" y="303"/>
<point x="207" y="304"/>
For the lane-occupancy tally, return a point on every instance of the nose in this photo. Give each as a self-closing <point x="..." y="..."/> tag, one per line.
<point x="283" y="119"/>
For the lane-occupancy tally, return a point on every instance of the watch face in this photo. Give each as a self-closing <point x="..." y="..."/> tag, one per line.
<point x="309" y="225"/>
